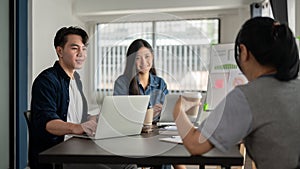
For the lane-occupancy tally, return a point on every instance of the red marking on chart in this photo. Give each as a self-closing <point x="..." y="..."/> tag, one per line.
<point x="219" y="83"/>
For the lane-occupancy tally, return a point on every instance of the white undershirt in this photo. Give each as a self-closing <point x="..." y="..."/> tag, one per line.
<point x="75" y="104"/>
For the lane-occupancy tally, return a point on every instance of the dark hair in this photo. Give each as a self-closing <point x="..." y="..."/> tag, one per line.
<point x="271" y="44"/>
<point x="61" y="35"/>
<point x="130" y="69"/>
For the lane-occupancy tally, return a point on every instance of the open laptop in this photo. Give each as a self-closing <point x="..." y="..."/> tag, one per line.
<point x="121" y="116"/>
<point x="166" y="116"/>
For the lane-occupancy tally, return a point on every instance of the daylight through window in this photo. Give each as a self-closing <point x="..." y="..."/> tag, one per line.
<point x="181" y="51"/>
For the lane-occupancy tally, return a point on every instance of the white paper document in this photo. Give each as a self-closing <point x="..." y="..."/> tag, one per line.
<point x="172" y="139"/>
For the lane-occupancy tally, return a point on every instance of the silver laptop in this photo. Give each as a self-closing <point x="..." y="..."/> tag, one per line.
<point x="166" y="116"/>
<point x="121" y="116"/>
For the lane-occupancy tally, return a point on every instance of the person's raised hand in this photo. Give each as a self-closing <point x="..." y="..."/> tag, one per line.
<point x="188" y="103"/>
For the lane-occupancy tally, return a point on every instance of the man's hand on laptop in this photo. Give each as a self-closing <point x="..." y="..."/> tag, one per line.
<point x="89" y="127"/>
<point x="93" y="117"/>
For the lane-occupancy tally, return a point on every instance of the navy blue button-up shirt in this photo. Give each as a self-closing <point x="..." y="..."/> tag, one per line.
<point x="50" y="100"/>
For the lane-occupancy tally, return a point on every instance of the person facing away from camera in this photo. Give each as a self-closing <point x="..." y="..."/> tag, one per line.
<point x="264" y="114"/>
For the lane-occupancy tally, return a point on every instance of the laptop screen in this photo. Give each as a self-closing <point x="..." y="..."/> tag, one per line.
<point x="121" y="116"/>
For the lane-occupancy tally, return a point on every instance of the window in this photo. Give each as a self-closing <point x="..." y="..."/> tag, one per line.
<point x="181" y="51"/>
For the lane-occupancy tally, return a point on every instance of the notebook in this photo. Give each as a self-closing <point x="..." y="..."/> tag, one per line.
<point x="121" y="116"/>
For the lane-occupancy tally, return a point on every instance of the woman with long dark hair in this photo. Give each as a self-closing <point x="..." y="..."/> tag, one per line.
<point x="140" y="77"/>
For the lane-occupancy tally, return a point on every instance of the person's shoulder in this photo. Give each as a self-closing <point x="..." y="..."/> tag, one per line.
<point x="121" y="86"/>
<point x="122" y="78"/>
<point x="47" y="72"/>
<point x="48" y="75"/>
<point x="237" y="90"/>
<point x="296" y="81"/>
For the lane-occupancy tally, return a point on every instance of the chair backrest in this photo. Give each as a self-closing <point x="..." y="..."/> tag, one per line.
<point x="27" y="115"/>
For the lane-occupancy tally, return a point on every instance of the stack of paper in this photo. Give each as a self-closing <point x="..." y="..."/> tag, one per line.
<point x="168" y="130"/>
<point x="172" y="139"/>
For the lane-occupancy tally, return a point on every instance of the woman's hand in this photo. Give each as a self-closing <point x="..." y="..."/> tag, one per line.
<point x="157" y="109"/>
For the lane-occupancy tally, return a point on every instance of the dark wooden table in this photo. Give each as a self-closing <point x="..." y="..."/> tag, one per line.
<point x="144" y="150"/>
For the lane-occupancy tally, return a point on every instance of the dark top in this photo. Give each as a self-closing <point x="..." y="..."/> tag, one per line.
<point x="50" y="100"/>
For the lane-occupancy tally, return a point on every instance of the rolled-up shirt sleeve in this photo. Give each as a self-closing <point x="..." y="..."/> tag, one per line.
<point x="43" y="103"/>
<point x="229" y="122"/>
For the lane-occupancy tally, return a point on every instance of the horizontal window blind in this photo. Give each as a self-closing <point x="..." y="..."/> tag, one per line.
<point x="181" y="57"/>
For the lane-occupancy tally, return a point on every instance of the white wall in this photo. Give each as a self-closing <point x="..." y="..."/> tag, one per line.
<point x="231" y="23"/>
<point x="48" y="16"/>
<point x="113" y="7"/>
<point x="4" y="89"/>
<point x="297" y="18"/>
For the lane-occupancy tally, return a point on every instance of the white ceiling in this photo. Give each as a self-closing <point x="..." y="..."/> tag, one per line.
<point x="107" y="10"/>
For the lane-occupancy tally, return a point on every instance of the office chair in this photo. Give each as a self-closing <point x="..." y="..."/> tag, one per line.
<point x="27" y="115"/>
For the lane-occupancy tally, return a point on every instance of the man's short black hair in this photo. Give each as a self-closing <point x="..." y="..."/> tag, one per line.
<point x="61" y="35"/>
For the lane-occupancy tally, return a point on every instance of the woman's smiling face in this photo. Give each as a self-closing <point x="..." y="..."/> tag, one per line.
<point x="144" y="60"/>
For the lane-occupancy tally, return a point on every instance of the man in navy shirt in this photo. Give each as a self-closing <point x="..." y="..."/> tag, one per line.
<point x="58" y="105"/>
